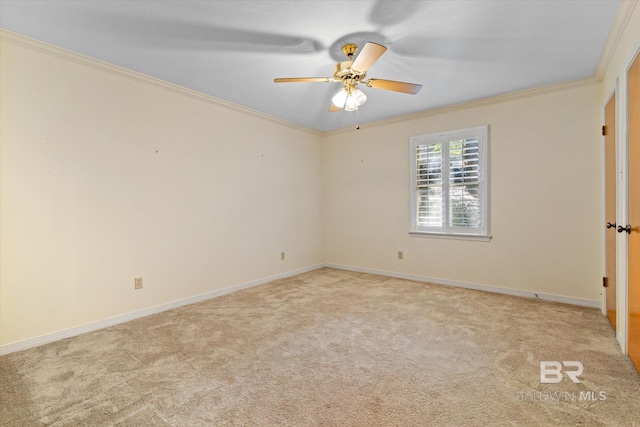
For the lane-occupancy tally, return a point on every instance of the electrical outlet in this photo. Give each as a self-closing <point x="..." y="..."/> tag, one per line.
<point x="282" y="256"/>
<point x="137" y="283"/>
<point x="400" y="255"/>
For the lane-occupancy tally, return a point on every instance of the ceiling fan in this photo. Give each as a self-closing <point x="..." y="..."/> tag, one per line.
<point x="354" y="71"/>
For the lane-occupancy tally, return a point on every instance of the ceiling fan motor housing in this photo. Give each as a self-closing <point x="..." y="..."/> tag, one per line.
<point x="343" y="71"/>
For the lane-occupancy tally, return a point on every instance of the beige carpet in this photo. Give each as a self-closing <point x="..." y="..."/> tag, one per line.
<point x="330" y="348"/>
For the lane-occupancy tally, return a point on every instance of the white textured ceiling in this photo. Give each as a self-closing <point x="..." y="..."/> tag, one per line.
<point x="458" y="50"/>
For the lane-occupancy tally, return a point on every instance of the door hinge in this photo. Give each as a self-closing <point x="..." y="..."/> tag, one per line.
<point x="605" y="282"/>
<point x="604" y="130"/>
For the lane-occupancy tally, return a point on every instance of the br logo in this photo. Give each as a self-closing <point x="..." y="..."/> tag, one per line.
<point x="551" y="371"/>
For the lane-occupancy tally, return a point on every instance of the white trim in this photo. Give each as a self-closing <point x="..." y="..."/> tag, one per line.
<point x="620" y="339"/>
<point x="450" y="236"/>
<point x="101" y="324"/>
<point x="39" y="46"/>
<point x="612" y="91"/>
<point x="492" y="100"/>
<point x="624" y="13"/>
<point x="445" y="230"/>
<point x="475" y="286"/>
<point x="49" y="49"/>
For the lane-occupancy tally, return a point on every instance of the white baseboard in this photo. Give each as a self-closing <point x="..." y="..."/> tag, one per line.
<point x="621" y="342"/>
<point x="475" y="286"/>
<point x="100" y="324"/>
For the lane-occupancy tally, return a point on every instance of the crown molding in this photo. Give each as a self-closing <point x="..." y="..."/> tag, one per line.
<point x="622" y="17"/>
<point x="625" y="10"/>
<point x="473" y="104"/>
<point x="49" y="49"/>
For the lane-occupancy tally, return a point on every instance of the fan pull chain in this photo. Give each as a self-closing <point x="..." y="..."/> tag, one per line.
<point x="358" y="119"/>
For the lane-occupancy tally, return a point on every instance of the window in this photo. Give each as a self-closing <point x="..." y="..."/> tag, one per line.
<point x="450" y="184"/>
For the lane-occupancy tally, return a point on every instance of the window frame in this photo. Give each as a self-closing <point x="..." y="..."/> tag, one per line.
<point x="481" y="233"/>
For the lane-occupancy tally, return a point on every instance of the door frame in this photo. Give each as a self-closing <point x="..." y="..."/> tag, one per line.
<point x="613" y="90"/>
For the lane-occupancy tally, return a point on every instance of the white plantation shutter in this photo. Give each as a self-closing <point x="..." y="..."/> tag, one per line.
<point x="464" y="204"/>
<point x="449" y="174"/>
<point x="429" y="184"/>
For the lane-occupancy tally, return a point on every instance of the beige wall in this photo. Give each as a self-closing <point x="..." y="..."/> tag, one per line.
<point x="105" y="177"/>
<point x="546" y="196"/>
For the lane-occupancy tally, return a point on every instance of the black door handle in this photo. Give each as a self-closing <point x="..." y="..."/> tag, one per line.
<point x="609" y="225"/>
<point x="627" y="229"/>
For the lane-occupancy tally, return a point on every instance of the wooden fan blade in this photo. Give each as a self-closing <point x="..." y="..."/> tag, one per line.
<point x="411" y="88"/>
<point x="303" y="79"/>
<point x="334" y="108"/>
<point x="369" y="54"/>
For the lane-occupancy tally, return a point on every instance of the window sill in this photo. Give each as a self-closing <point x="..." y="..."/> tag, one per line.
<point x="450" y="236"/>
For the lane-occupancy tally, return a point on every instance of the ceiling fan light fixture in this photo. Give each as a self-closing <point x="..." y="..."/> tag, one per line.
<point x="350" y="106"/>
<point x="355" y="99"/>
<point x="340" y="98"/>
